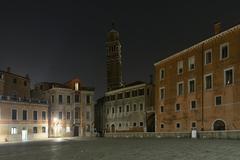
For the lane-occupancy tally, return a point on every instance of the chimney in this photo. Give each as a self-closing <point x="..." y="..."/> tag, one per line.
<point x="151" y="79"/>
<point x="217" y="28"/>
<point x="9" y="69"/>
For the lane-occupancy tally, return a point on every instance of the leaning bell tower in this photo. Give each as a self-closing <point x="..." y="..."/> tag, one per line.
<point x="114" y="60"/>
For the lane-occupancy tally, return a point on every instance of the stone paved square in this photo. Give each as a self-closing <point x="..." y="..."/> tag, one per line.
<point x="122" y="149"/>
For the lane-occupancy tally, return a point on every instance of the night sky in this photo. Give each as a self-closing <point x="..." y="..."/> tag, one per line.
<point x="60" y="40"/>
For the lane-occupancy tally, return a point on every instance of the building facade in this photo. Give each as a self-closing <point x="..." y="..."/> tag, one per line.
<point x="127" y="109"/>
<point x="14" y="85"/>
<point x="198" y="88"/>
<point x="21" y="118"/>
<point x="71" y="108"/>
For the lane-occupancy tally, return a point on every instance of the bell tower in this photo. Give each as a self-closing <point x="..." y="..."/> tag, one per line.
<point x="114" y="60"/>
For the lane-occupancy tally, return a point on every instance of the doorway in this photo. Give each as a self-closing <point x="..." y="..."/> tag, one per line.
<point x="76" y="131"/>
<point x="219" y="125"/>
<point x="24" y="135"/>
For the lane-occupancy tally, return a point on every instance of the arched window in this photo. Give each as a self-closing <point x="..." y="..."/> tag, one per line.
<point x="219" y="125"/>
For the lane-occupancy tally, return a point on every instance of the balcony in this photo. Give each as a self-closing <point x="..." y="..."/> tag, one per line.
<point x="24" y="100"/>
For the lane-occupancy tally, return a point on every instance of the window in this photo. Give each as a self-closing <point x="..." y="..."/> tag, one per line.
<point x="127" y="108"/>
<point x="218" y="100"/>
<point x="68" y="129"/>
<point x="68" y="100"/>
<point x="14" y="80"/>
<point x="68" y="115"/>
<point x="224" y="51"/>
<point x="24" y="115"/>
<point x="13" y="130"/>
<point x="191" y="86"/>
<point x="77" y="99"/>
<point x="112" y="110"/>
<point x="25" y="83"/>
<point x="127" y="94"/>
<point x="161" y="109"/>
<point x="112" y="97"/>
<point x="208" y="56"/>
<point x="193" y="105"/>
<point x="178" y="108"/>
<point x="76" y="115"/>
<point x="108" y="111"/>
<point x="141" y="124"/>
<point x="120" y="109"/>
<point x="162" y="73"/>
<point x="88" y="99"/>
<point x="134" y="107"/>
<point x="120" y="96"/>
<point x="228" y="76"/>
<point x="162" y="125"/>
<point x="134" y="93"/>
<point x="88" y="115"/>
<point x="14" y="114"/>
<point x="208" y="81"/>
<point x="134" y="124"/>
<point x="52" y="99"/>
<point x="162" y="93"/>
<point x="141" y="92"/>
<point x="35" y="130"/>
<point x="43" y="129"/>
<point x="35" y="116"/>
<point x="119" y="125"/>
<point x="60" y="101"/>
<point x="194" y="125"/>
<point x="60" y="115"/>
<point x="191" y="63"/>
<point x="76" y="86"/>
<point x="44" y="115"/>
<point x="180" y="67"/>
<point x="141" y="107"/>
<point x="180" y="89"/>
<point x="178" y="125"/>
<point x="1" y="75"/>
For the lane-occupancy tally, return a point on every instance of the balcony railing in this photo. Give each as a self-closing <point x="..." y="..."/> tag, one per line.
<point x="25" y="100"/>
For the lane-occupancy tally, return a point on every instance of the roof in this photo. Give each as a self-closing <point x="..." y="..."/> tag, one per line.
<point x="27" y="78"/>
<point x="198" y="44"/>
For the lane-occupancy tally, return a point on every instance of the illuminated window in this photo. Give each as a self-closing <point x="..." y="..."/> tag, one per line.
<point x="13" y="130"/>
<point x="67" y="129"/>
<point x="76" y="86"/>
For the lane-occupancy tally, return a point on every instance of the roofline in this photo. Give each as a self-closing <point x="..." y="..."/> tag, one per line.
<point x="198" y="44"/>
<point x="15" y="75"/>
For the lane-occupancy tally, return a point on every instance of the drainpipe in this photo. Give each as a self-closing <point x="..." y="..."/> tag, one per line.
<point x="202" y="96"/>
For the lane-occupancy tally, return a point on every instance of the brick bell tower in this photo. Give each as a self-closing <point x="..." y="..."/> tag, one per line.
<point x="114" y="60"/>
